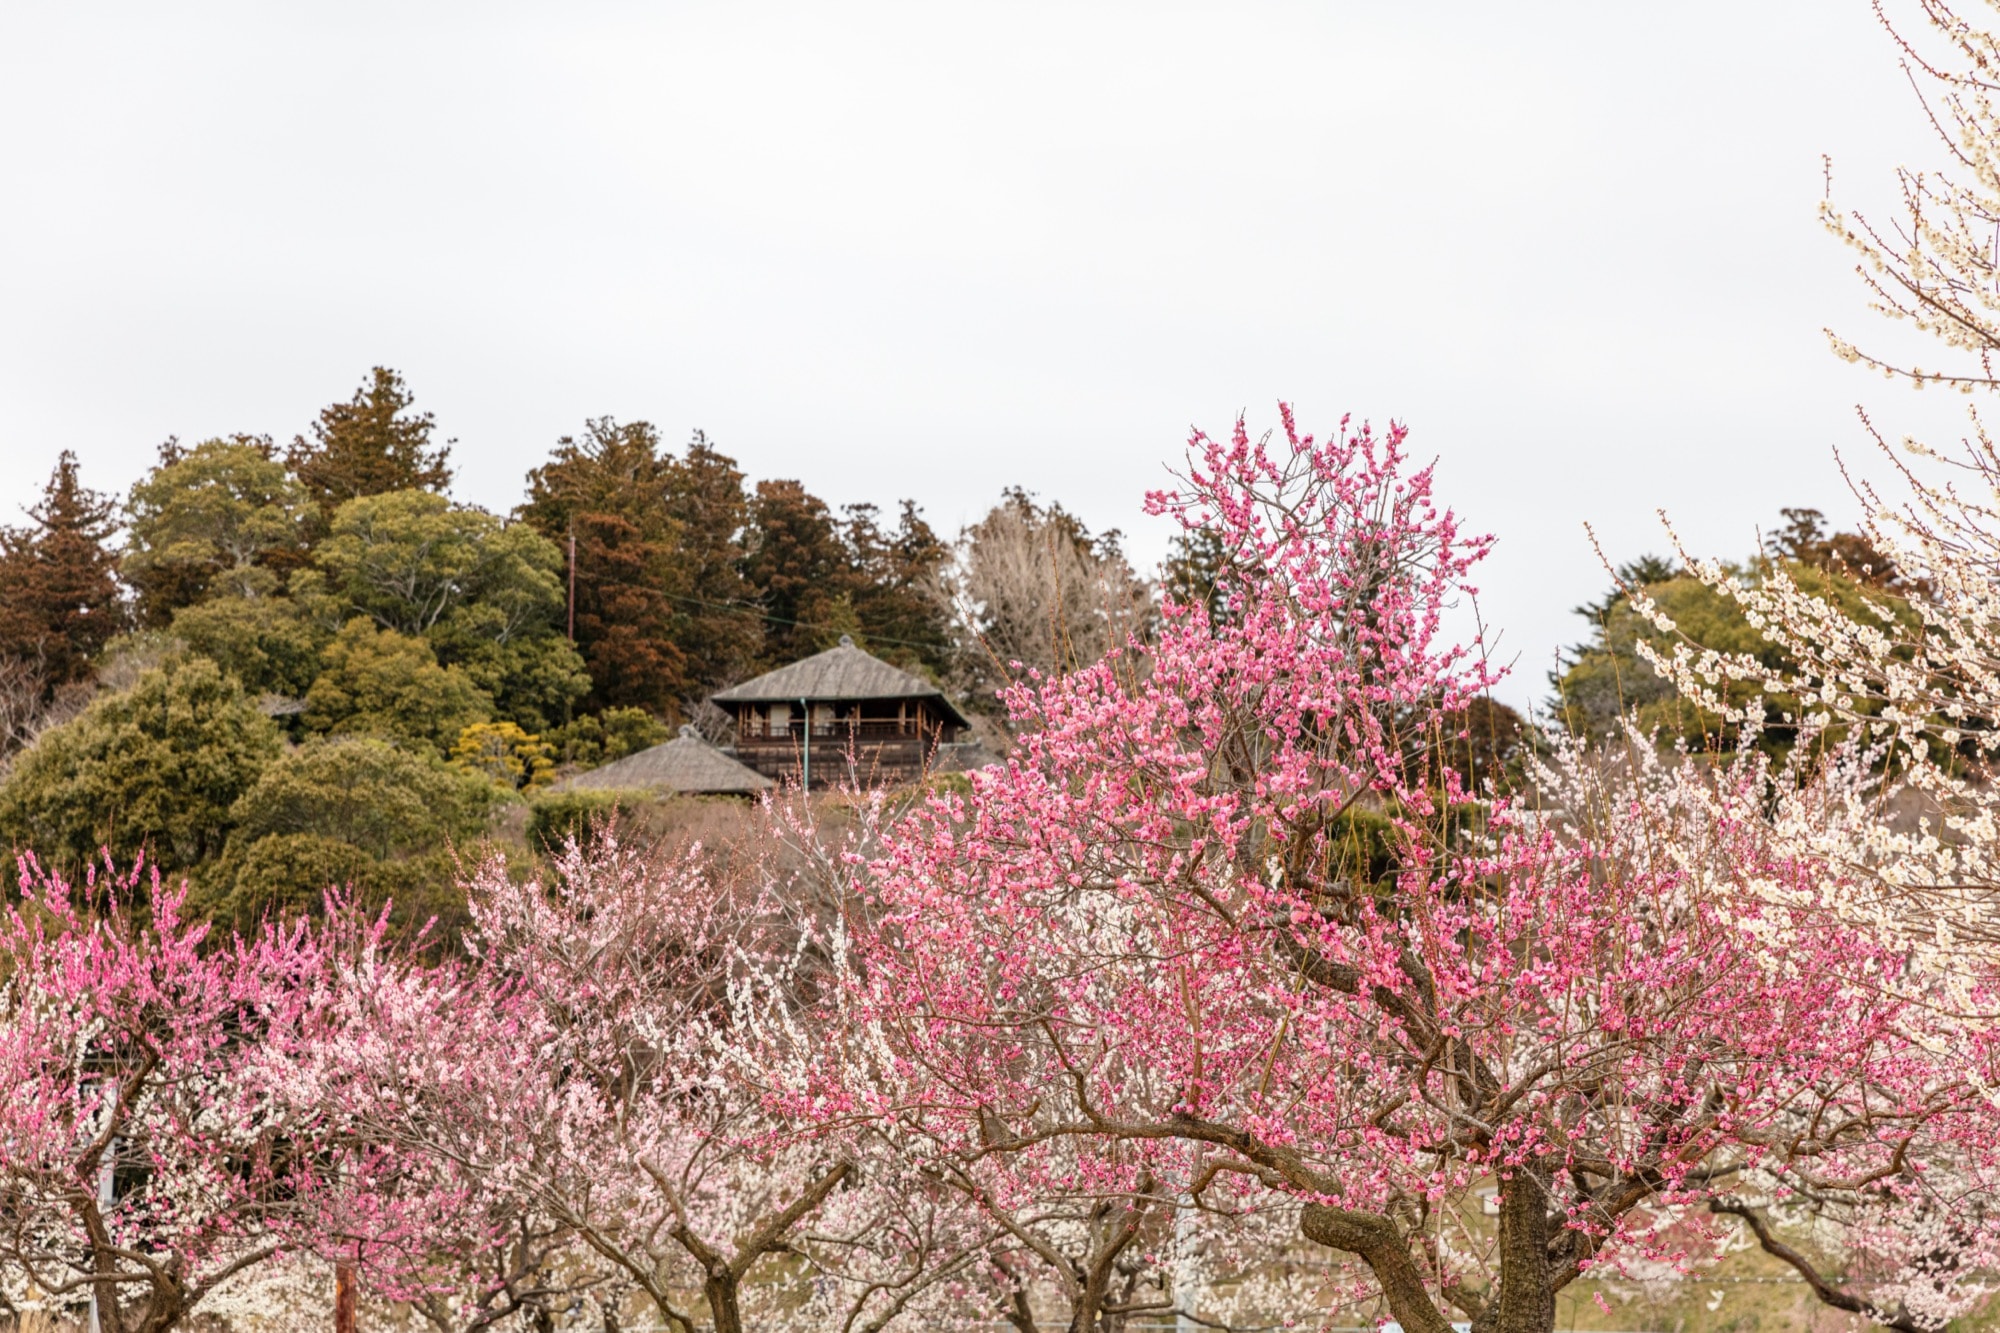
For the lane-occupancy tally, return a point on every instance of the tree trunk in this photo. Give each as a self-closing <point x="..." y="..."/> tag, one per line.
<point x="1524" y="1303"/>
<point x="344" y="1298"/>
<point x="721" y="1291"/>
<point x="1379" y="1245"/>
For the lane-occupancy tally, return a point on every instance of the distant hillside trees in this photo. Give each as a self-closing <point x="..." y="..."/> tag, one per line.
<point x="687" y="579"/>
<point x="1606" y="678"/>
<point x="328" y="607"/>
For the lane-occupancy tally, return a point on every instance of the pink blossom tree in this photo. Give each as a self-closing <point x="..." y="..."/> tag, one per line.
<point x="141" y="1165"/>
<point x="1148" y="934"/>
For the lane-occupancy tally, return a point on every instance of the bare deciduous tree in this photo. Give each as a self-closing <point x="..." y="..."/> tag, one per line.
<point x="1034" y="590"/>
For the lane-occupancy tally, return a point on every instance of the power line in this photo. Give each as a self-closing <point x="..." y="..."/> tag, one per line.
<point x="785" y="620"/>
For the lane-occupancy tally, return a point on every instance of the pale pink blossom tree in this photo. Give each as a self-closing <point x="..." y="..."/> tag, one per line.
<point x="418" y="1226"/>
<point x="585" y="1068"/>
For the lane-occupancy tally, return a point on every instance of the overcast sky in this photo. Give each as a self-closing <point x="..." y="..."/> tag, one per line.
<point x="937" y="249"/>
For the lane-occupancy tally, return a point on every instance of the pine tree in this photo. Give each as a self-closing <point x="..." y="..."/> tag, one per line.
<point x="59" y="597"/>
<point x="369" y="445"/>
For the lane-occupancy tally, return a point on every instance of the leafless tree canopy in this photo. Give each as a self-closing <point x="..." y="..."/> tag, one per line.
<point x="1036" y="591"/>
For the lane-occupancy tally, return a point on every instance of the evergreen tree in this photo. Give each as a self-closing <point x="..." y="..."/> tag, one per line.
<point x="377" y="682"/>
<point x="1603" y="681"/>
<point x="372" y="816"/>
<point x="800" y="571"/>
<point x="369" y="445"/>
<point x="817" y="576"/>
<point x="899" y="596"/>
<point x="606" y="491"/>
<point x="59" y="600"/>
<point x="1200" y="568"/>
<point x="485" y="595"/>
<point x="720" y="628"/>
<point x="662" y="614"/>
<point x="152" y="769"/>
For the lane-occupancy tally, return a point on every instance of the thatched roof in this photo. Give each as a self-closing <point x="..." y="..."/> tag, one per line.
<point x="843" y="673"/>
<point x="686" y="763"/>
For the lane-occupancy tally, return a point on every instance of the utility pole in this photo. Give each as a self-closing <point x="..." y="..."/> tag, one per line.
<point x="572" y="583"/>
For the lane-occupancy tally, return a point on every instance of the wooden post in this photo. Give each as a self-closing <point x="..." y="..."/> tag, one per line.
<point x="806" y="755"/>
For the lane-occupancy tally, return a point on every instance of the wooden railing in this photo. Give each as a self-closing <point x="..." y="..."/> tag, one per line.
<point x="868" y="731"/>
<point x="880" y="754"/>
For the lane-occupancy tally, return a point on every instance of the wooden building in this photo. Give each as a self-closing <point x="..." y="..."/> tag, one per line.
<point x="686" y="763"/>
<point x="841" y="716"/>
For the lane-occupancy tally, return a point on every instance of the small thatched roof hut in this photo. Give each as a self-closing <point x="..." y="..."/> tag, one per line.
<point x="686" y="763"/>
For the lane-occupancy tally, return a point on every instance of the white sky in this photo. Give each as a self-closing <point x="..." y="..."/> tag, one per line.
<point x="937" y="249"/>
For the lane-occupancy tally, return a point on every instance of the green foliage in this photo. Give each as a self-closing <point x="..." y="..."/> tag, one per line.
<point x="377" y="682"/>
<point x="269" y="644"/>
<point x="349" y="811"/>
<point x="379" y="798"/>
<point x="599" y="738"/>
<point x="283" y="874"/>
<point x="157" y="768"/>
<point x="412" y="560"/>
<point x="533" y="679"/>
<point x="483" y="593"/>
<point x="223" y="519"/>
<point x="59" y="602"/>
<point x="369" y="445"/>
<point x="1607" y="678"/>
